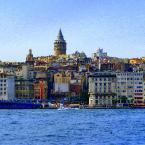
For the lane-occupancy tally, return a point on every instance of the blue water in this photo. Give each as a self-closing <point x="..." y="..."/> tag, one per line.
<point x="72" y="127"/>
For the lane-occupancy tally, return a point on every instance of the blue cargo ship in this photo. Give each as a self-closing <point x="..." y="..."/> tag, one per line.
<point x="19" y="105"/>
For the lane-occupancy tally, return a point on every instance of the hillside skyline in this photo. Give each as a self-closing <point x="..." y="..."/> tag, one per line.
<point x="116" y="26"/>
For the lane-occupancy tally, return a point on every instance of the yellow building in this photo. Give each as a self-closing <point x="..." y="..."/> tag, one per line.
<point x="63" y="56"/>
<point x="46" y="59"/>
<point x="143" y="59"/>
<point x="135" y="61"/>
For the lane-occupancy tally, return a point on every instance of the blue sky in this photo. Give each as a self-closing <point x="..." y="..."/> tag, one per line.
<point x="117" y="26"/>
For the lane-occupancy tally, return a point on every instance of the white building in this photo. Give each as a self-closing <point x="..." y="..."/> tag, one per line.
<point x="27" y="71"/>
<point x="100" y="53"/>
<point x="102" y="89"/>
<point x="62" y="82"/>
<point x="144" y="88"/>
<point x="61" y="87"/>
<point x="7" y="87"/>
<point x="130" y="85"/>
<point x="8" y="69"/>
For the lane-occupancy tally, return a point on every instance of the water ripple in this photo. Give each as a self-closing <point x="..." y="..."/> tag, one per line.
<point x="72" y="127"/>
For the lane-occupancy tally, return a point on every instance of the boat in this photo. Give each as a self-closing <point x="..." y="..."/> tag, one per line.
<point x="62" y="107"/>
<point x="19" y="105"/>
<point x="67" y="106"/>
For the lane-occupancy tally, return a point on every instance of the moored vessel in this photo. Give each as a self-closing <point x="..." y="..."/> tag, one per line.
<point x="19" y="105"/>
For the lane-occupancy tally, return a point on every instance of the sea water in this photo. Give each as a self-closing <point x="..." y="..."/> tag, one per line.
<point x="72" y="127"/>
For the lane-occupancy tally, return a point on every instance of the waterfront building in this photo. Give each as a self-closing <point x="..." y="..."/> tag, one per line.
<point x="60" y="45"/>
<point x="144" y="88"/>
<point x="41" y="86"/>
<point x="125" y="86"/>
<point x="130" y="86"/>
<point x="7" y="87"/>
<point x="75" y="88"/>
<point x="24" y="88"/>
<point x="102" y="89"/>
<point x="62" y="82"/>
<point x="138" y="88"/>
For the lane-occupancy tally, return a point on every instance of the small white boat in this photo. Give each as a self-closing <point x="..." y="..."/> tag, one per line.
<point x="61" y="107"/>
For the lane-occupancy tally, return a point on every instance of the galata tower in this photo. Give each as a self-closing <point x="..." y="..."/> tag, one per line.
<point x="60" y="45"/>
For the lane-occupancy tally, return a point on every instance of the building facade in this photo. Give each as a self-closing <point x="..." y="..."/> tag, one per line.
<point x="131" y="86"/>
<point x="102" y="89"/>
<point x="41" y="86"/>
<point x="62" y="82"/>
<point x="24" y="88"/>
<point x="100" y="53"/>
<point x="144" y="88"/>
<point x="7" y="87"/>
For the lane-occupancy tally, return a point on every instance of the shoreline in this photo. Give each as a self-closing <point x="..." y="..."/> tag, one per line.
<point x="71" y="108"/>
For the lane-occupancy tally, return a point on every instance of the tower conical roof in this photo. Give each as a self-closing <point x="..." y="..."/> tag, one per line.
<point x="59" y="45"/>
<point x="60" y="36"/>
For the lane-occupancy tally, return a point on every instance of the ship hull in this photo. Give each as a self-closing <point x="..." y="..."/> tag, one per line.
<point x="19" y="105"/>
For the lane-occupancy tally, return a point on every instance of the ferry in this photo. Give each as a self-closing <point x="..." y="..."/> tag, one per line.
<point x="19" y="105"/>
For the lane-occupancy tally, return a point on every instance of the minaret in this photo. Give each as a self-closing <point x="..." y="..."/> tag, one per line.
<point x="59" y="45"/>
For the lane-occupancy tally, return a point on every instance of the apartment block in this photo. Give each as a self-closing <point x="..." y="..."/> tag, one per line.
<point x="102" y="89"/>
<point x="7" y="87"/>
<point x="130" y="85"/>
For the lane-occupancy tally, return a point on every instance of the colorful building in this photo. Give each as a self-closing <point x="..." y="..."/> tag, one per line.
<point x="41" y="86"/>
